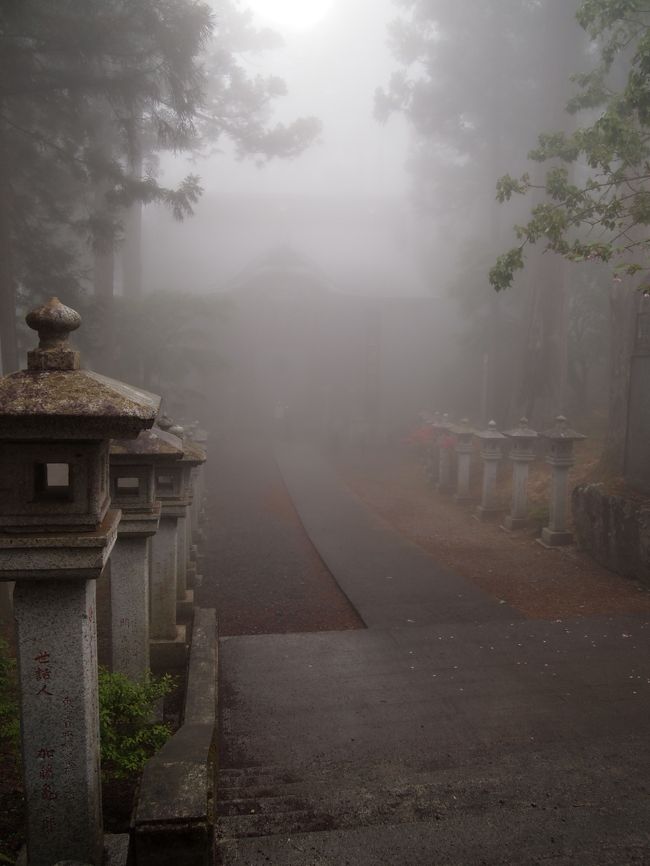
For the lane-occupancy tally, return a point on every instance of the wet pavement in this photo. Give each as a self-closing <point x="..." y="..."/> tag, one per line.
<point x="448" y="731"/>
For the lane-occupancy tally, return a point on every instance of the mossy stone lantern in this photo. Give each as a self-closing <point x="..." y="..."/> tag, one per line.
<point x="57" y="529"/>
<point x="464" y="434"/>
<point x="560" y="439"/>
<point x="491" y="453"/>
<point x="133" y="465"/>
<point x="193" y="457"/>
<point x="168" y="646"/>
<point x="522" y="453"/>
<point x="446" y="442"/>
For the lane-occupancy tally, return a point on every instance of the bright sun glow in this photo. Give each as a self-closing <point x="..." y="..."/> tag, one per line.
<point x="292" y="14"/>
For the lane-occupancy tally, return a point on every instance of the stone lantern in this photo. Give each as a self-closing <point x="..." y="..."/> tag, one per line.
<point x="57" y="530"/>
<point x="193" y="456"/>
<point x="168" y="644"/>
<point x="560" y="458"/>
<point x="522" y="453"/>
<point x="464" y="448"/>
<point x="445" y="463"/>
<point x="133" y="465"/>
<point x="201" y="439"/>
<point x="491" y="453"/>
<point x="433" y="452"/>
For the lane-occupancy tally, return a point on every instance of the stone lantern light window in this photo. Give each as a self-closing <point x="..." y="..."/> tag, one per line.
<point x="165" y="483"/>
<point x="53" y="481"/>
<point x="127" y="486"/>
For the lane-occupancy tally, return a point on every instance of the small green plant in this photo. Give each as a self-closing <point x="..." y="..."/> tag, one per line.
<point x="539" y="516"/>
<point x="9" y="718"/>
<point x="129" y="736"/>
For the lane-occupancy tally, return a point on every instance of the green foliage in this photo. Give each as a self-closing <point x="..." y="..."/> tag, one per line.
<point x="9" y="720"/>
<point x="129" y="737"/>
<point x="603" y="217"/>
<point x="90" y="92"/>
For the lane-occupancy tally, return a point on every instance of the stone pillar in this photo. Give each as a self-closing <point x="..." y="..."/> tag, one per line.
<point x="464" y="449"/>
<point x="560" y="459"/>
<point x="164" y="557"/>
<point x="130" y="607"/>
<point x="193" y="458"/>
<point x="445" y="444"/>
<point x="491" y="441"/>
<point x="181" y="558"/>
<point x="433" y="451"/>
<point x="57" y="663"/>
<point x="522" y="453"/>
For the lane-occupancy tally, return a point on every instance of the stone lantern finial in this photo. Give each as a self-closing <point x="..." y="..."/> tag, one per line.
<point x="54" y="322"/>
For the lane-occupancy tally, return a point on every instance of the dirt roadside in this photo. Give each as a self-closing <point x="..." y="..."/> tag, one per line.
<point x="540" y="583"/>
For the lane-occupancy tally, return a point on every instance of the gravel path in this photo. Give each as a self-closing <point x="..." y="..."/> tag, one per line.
<point x="262" y="572"/>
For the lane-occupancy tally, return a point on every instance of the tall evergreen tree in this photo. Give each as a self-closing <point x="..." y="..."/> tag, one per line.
<point x="85" y="85"/>
<point x="473" y="83"/>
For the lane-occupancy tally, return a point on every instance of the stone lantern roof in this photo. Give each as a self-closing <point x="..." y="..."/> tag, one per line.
<point x="491" y="433"/>
<point x="562" y="432"/>
<point x="54" y="398"/>
<point x="194" y="454"/>
<point x="463" y="428"/>
<point x="156" y="444"/>
<point x="523" y="431"/>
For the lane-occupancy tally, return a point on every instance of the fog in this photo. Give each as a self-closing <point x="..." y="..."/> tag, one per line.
<point x="342" y="204"/>
<point x="345" y="154"/>
<point x="404" y="205"/>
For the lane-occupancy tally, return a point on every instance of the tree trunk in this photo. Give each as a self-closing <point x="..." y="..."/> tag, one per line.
<point x="132" y="246"/>
<point x="8" y="341"/>
<point x="542" y="393"/>
<point x="103" y="283"/>
<point x="623" y="307"/>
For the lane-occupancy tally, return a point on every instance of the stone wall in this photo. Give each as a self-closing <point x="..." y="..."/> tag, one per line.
<point x="614" y="530"/>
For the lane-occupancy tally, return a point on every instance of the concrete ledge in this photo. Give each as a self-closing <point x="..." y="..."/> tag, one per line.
<point x="174" y="818"/>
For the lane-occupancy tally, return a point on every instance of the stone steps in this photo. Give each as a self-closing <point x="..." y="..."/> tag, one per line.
<point x="269" y="802"/>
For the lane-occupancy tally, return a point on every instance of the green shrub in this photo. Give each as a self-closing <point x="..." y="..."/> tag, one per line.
<point x="9" y="718"/>
<point x="129" y="736"/>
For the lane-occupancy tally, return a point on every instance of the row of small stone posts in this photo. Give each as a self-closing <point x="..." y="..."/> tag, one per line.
<point x="86" y="475"/>
<point x="457" y="439"/>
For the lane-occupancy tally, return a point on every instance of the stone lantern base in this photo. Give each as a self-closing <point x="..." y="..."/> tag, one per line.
<point x="555" y="538"/>
<point x="511" y="523"/>
<point x="484" y="514"/>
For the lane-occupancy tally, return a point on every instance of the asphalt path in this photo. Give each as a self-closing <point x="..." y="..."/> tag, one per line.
<point x="449" y="730"/>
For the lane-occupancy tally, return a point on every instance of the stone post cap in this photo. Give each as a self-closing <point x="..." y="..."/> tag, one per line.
<point x="523" y="431"/>
<point x="54" y="322"/>
<point x="491" y="433"/>
<point x="562" y="432"/>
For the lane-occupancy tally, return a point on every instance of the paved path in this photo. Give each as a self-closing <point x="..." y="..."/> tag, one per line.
<point x="447" y="732"/>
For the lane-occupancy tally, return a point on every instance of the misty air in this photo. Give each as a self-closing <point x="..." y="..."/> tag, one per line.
<point x="324" y="432"/>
